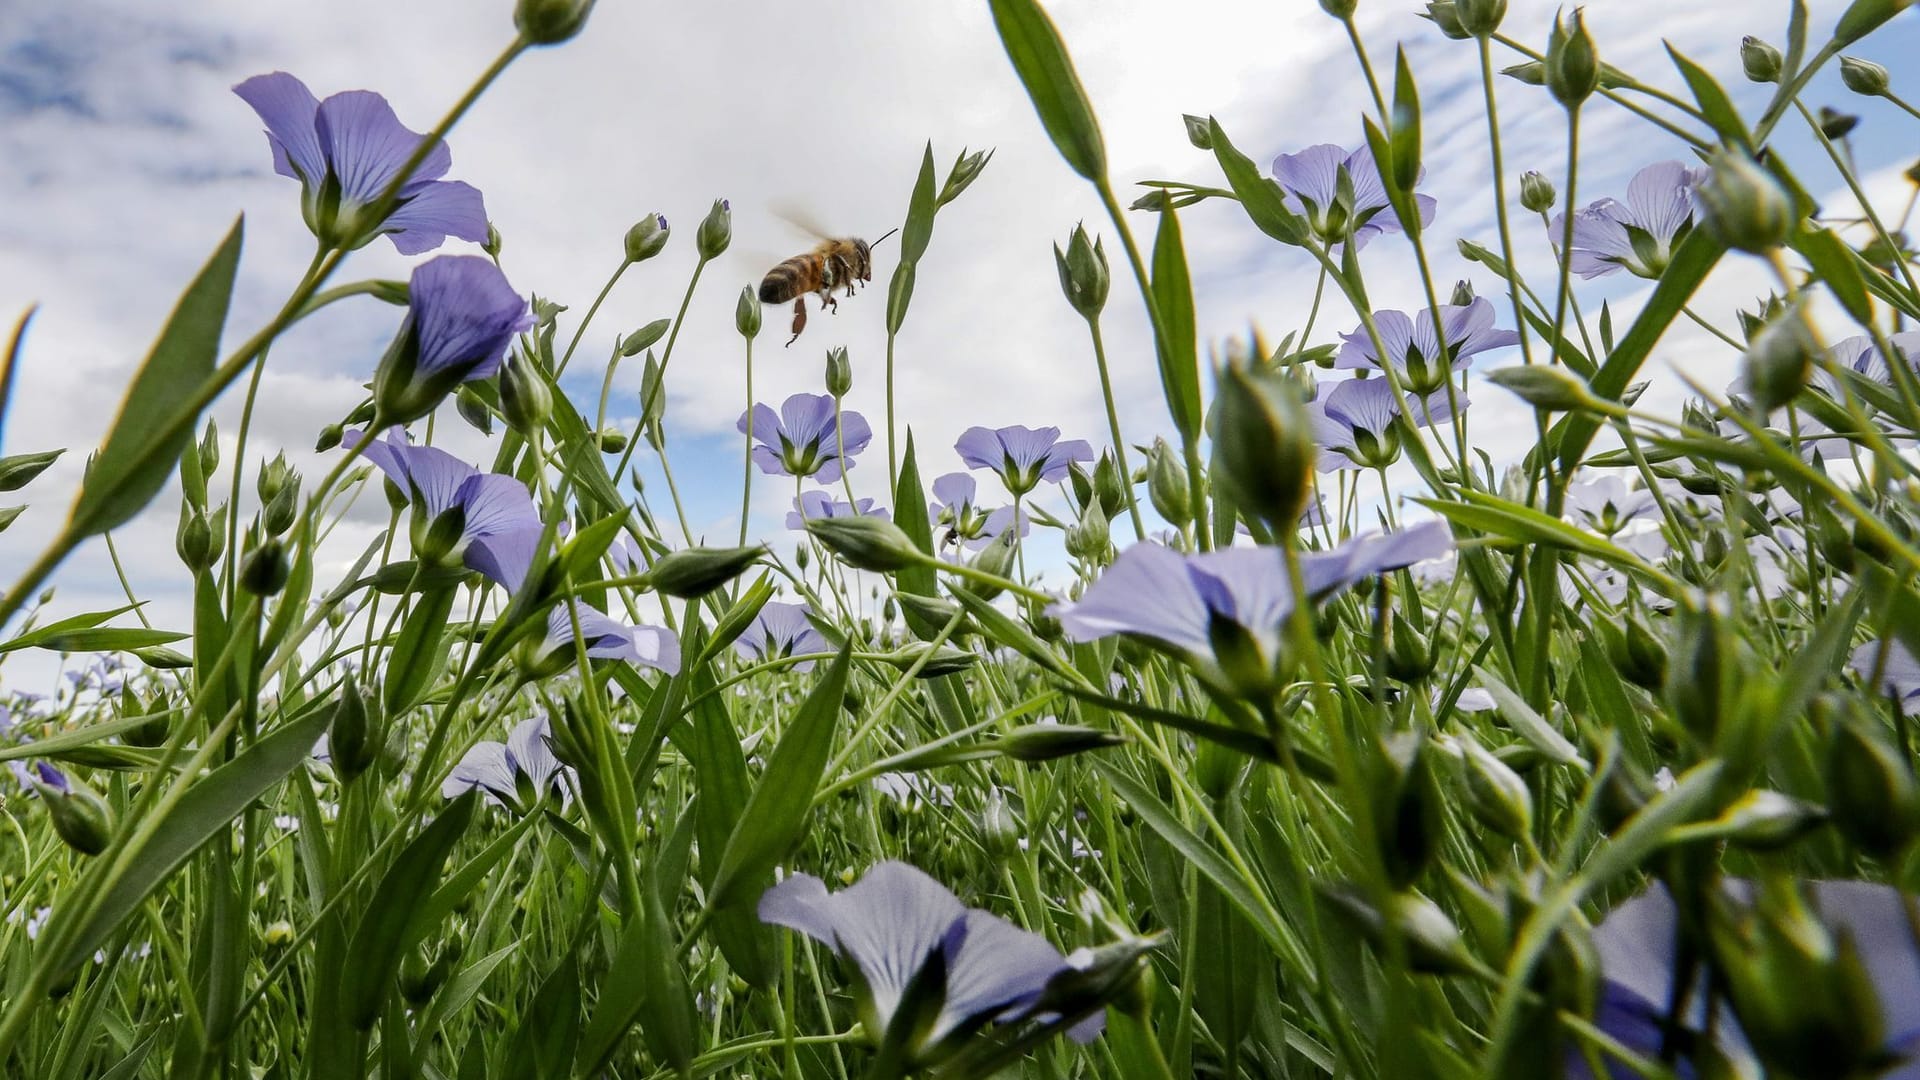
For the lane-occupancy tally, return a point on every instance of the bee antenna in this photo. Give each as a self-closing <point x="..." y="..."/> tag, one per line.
<point x="883" y="236"/>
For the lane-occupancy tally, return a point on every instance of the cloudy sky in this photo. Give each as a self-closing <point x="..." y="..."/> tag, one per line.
<point x="124" y="156"/>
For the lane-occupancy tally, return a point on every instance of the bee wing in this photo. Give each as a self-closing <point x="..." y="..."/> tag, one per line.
<point x="801" y="219"/>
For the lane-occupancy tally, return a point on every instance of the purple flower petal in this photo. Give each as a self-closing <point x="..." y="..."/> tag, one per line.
<point x="367" y="146"/>
<point x="980" y="448"/>
<point x="1312" y="174"/>
<point x="464" y="314"/>
<point x="1146" y="592"/>
<point x="955" y="489"/>
<point x="504" y="557"/>
<point x="434" y="211"/>
<point x="287" y="107"/>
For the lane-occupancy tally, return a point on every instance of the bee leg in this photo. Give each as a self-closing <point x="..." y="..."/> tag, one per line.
<point x="799" y="319"/>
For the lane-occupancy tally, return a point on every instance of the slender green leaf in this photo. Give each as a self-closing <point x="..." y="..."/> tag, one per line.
<point x="156" y="417"/>
<point x="1715" y="105"/>
<point x="1177" y="349"/>
<point x="395" y="911"/>
<point x="1040" y="59"/>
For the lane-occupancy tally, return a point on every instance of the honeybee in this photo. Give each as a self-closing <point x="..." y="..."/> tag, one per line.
<point x="832" y="265"/>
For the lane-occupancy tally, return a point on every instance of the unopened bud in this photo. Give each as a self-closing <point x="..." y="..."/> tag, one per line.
<point x="525" y="399"/>
<point x="839" y="372"/>
<point x="265" y="571"/>
<point x="999" y="832"/>
<point x="866" y="543"/>
<point x="1266" y="445"/>
<point x="1167" y="485"/>
<point x="647" y="237"/>
<point x="549" y="22"/>
<point x="20" y="469"/>
<point x="695" y="572"/>
<point x="1573" y="63"/>
<point x="1761" y="60"/>
<point x="612" y="439"/>
<point x="355" y="737"/>
<point x="1863" y="76"/>
<point x="966" y="169"/>
<point x="277" y="516"/>
<point x="193" y="540"/>
<point x="1480" y="18"/>
<point x="715" y="232"/>
<point x="1835" y="124"/>
<point x="80" y="816"/>
<point x="1496" y="794"/>
<point x="210" y="449"/>
<point x="1536" y="192"/>
<point x="746" y="314"/>
<point x="1339" y="9"/>
<point x="1083" y="273"/>
<point x="1742" y="205"/>
<point x="467" y="402"/>
<point x="1407" y="813"/>
<point x="1089" y="538"/>
<point x="1544" y="386"/>
<point x="330" y="437"/>
<point x="1445" y="14"/>
<point x="1871" y="789"/>
<point x="1779" y="360"/>
<point x="1199" y="131"/>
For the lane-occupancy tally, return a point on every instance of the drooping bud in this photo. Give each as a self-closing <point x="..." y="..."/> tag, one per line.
<point x="1083" y="273"/>
<point x="1409" y="659"/>
<point x="1835" y="124"/>
<point x="550" y="22"/>
<point x="1496" y="794"/>
<point x="999" y="832"/>
<point x="1742" y="205"/>
<point x="1089" y="538"/>
<point x="1779" y="360"/>
<point x="1407" y="811"/>
<point x="997" y="559"/>
<point x="1863" y="76"/>
<point x="277" y="516"/>
<point x="1339" y="9"/>
<point x="839" y="372"/>
<point x="80" y="816"/>
<point x="1266" y="445"/>
<point x="193" y="540"/>
<point x="275" y="476"/>
<point x="746" y="314"/>
<point x="866" y="543"/>
<point x="1761" y="60"/>
<point x="525" y="399"/>
<point x="1167" y="485"/>
<point x="694" y="572"/>
<point x="1573" y="63"/>
<point x="356" y="735"/>
<point x="716" y="230"/>
<point x="647" y="237"/>
<point x="466" y="402"/>
<point x="612" y="439"/>
<point x="331" y="435"/>
<point x="1536" y="192"/>
<point x="1544" y="386"/>
<point x="1700" y="676"/>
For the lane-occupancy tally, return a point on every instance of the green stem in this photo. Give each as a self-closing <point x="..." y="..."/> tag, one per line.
<point x="580" y="331"/>
<point x="1113" y="423"/>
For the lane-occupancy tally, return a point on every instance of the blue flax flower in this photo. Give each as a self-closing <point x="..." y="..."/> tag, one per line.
<point x="953" y="509"/>
<point x="781" y="630"/>
<point x="1224" y="613"/>
<point x="1416" y="353"/>
<point x="517" y="774"/>
<point x="814" y="505"/>
<point x="607" y="638"/>
<point x="461" y="315"/>
<point x="802" y="440"/>
<point x="891" y="922"/>
<point x="1312" y="180"/>
<point x="1638" y="235"/>
<point x="1636" y="943"/>
<point x="345" y="151"/>
<point x="460" y="514"/>
<point x="1022" y="456"/>
<point x="1356" y="424"/>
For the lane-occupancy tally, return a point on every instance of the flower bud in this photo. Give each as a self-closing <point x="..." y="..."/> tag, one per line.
<point x="1445" y="14"/>
<point x="1462" y="293"/>
<point x="210" y="449"/>
<point x="1409" y="660"/>
<point x="1480" y="18"/>
<point x="612" y="439"/>
<point x="867" y="543"/>
<point x="265" y="571"/>
<point x="1572" y="64"/>
<point x="331" y="435"/>
<point x="839" y="372"/>
<point x="694" y="572"/>
<point x="1700" y="677"/>
<point x="1496" y="794"/>
<point x="1266" y="445"/>
<point x="549" y="22"/>
<point x="1779" y="360"/>
<point x="277" y="516"/>
<point x="525" y="399"/>
<point x="1835" y="124"/>
<point x="20" y="469"/>
<point x="1536" y="192"/>
<point x="493" y="243"/>
<point x="1761" y="60"/>
<point x="647" y="237"/>
<point x="746" y="314"/>
<point x="79" y="814"/>
<point x="1433" y="942"/>
<point x="1863" y="76"/>
<point x="468" y="403"/>
<point x="1083" y="273"/>
<point x="999" y="832"/>
<point x="1167" y="485"/>
<point x="1532" y="72"/>
<point x="1742" y="205"/>
<point x="1339" y="9"/>
<point x="193" y="540"/>
<point x="997" y="559"/>
<point x="1199" y="131"/>
<point x="1407" y="817"/>
<point x="1044" y="742"/>
<point x="966" y="169"/>
<point x="1871" y="790"/>
<point x="1638" y="655"/>
<point x="715" y="231"/>
<point x="1089" y="538"/>
<point x="1544" y="386"/>
<point x="356" y="734"/>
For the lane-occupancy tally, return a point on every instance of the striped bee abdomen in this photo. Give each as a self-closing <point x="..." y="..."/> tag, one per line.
<point x="794" y="277"/>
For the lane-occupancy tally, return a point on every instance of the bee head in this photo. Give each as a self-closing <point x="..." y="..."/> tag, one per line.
<point x="863" y="252"/>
